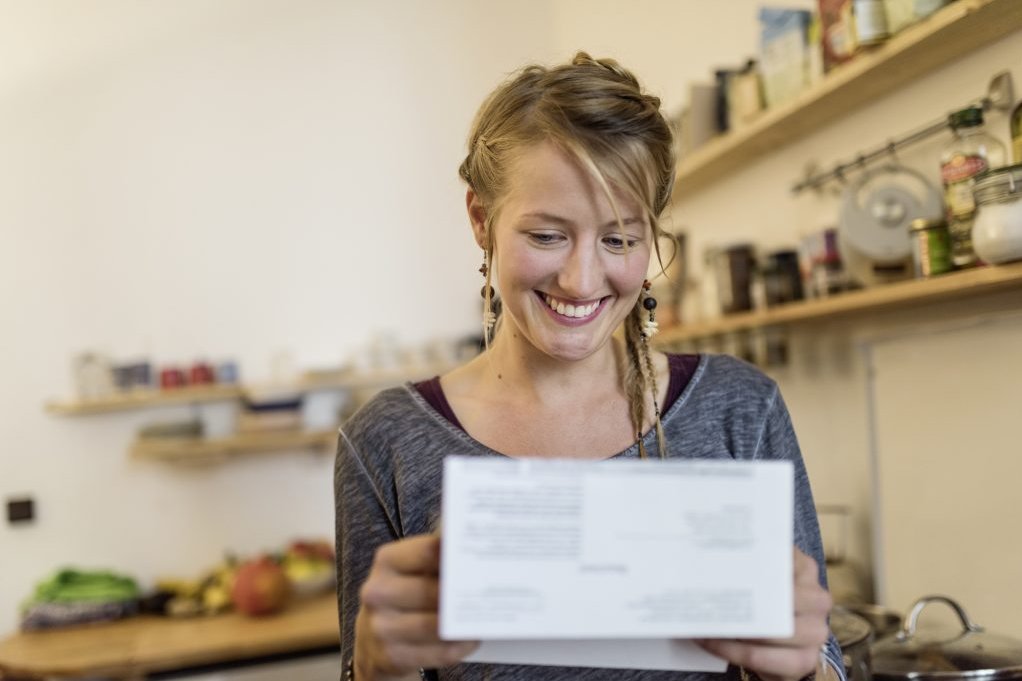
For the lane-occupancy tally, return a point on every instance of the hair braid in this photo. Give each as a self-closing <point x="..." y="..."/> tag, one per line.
<point x="640" y="376"/>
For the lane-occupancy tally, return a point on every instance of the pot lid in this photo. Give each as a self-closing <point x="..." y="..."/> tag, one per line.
<point x="848" y="627"/>
<point x="940" y="655"/>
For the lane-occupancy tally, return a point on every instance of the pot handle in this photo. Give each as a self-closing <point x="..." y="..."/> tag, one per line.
<point x="908" y="628"/>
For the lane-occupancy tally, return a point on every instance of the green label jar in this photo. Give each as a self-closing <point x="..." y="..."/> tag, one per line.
<point x="931" y="247"/>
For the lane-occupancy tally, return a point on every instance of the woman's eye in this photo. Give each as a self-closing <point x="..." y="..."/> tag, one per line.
<point x="619" y="243"/>
<point x="544" y="238"/>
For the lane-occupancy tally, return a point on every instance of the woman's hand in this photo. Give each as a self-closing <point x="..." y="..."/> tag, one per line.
<point x="791" y="658"/>
<point x="396" y="628"/>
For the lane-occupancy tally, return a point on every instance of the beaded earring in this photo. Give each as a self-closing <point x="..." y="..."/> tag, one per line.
<point x="487" y="293"/>
<point x="649" y="327"/>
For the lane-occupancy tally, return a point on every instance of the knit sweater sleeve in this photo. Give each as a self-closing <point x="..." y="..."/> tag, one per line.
<point x="778" y="441"/>
<point x="363" y="522"/>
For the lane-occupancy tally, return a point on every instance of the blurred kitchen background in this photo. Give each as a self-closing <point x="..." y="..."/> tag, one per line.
<point x="264" y="194"/>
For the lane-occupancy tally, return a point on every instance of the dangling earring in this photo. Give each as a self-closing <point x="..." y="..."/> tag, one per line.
<point x="489" y="316"/>
<point x="649" y="327"/>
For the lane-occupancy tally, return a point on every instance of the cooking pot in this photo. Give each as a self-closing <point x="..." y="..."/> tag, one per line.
<point x="884" y="621"/>
<point x="855" y="636"/>
<point x="971" y="653"/>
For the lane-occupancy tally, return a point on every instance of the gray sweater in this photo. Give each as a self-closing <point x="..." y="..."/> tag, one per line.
<point x="388" y="473"/>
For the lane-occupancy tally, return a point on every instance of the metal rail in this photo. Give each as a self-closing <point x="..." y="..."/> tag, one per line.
<point x="1000" y="96"/>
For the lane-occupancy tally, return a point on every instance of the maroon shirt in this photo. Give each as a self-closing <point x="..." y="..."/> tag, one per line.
<point x="681" y="369"/>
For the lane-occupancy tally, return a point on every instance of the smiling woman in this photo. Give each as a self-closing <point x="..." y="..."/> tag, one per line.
<point x="568" y="171"/>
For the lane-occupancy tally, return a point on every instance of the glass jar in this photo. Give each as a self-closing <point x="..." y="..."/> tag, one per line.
<point x="997" y="232"/>
<point x="971" y="152"/>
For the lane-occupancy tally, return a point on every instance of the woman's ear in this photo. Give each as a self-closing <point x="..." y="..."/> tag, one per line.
<point x="477" y="216"/>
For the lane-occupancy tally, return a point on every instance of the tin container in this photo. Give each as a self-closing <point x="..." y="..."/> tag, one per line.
<point x="734" y="267"/>
<point x="931" y="248"/>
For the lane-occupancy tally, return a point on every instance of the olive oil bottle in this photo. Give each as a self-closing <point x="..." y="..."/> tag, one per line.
<point x="1016" y="133"/>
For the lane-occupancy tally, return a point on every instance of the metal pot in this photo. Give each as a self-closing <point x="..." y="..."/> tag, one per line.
<point x="855" y="636"/>
<point x="885" y="622"/>
<point x="969" y="654"/>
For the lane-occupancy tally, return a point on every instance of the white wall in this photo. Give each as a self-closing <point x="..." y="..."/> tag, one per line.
<point x="230" y="179"/>
<point x="225" y="179"/>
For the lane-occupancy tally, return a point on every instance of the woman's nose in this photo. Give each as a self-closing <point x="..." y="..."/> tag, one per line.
<point x="581" y="274"/>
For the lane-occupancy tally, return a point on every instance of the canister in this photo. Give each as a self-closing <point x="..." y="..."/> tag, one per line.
<point x="997" y="231"/>
<point x="931" y="247"/>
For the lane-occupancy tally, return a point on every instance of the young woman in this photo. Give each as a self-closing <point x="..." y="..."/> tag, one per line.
<point x="568" y="171"/>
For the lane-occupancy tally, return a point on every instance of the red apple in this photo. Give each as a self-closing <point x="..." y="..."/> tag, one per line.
<point x="260" y="587"/>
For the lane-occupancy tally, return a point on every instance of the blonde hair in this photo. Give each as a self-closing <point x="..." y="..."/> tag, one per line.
<point x="595" y="110"/>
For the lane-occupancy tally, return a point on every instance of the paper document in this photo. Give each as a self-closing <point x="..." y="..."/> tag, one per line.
<point x="545" y="560"/>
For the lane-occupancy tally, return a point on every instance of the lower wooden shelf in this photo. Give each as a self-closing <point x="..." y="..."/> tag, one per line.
<point x="135" y="647"/>
<point x="183" y="450"/>
<point x="952" y="286"/>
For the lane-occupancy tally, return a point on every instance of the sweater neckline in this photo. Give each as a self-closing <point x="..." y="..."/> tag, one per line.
<point x="648" y="438"/>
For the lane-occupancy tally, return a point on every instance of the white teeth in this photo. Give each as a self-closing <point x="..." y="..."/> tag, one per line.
<point x="574" y="311"/>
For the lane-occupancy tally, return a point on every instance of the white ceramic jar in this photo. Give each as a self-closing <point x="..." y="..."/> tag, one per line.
<point x="997" y="232"/>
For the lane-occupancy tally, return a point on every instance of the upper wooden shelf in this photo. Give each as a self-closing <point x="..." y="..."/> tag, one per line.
<point x="144" y="399"/>
<point x="953" y="31"/>
<point x="946" y="287"/>
<point x="141" y="399"/>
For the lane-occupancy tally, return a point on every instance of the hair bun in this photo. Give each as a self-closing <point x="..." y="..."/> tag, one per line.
<point x="582" y="58"/>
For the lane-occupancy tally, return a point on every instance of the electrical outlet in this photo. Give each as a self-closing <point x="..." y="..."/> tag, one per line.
<point x="20" y="510"/>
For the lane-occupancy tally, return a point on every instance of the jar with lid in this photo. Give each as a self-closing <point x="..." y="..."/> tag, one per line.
<point x="997" y="233"/>
<point x="931" y="247"/>
<point x="971" y="152"/>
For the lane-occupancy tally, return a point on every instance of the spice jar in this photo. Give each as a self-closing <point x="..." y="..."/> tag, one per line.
<point x="997" y="232"/>
<point x="931" y="247"/>
<point x="871" y="22"/>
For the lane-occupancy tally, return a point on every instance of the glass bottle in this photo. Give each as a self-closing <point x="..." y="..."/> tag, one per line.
<point x="1016" y="132"/>
<point x="925" y="8"/>
<point x="970" y="152"/>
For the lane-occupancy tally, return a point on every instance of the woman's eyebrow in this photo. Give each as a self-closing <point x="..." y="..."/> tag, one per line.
<point x="551" y="217"/>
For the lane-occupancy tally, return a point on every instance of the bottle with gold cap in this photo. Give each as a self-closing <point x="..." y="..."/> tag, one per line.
<point x="1016" y="132"/>
<point x="971" y="152"/>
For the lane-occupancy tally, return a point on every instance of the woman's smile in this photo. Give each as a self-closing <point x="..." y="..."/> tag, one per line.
<point x="571" y="313"/>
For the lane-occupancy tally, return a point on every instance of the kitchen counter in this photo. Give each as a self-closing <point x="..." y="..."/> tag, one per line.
<point x="135" y="647"/>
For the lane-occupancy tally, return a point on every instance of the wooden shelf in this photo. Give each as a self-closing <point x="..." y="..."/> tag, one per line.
<point x="947" y="287"/>
<point x="138" y="646"/>
<point x="955" y="30"/>
<point x="180" y="450"/>
<point x="349" y="380"/>
<point x="143" y="399"/>
<point x="147" y="399"/>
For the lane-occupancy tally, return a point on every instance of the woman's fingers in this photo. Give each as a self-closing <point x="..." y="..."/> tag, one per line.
<point x="396" y="629"/>
<point x="406" y="628"/>
<point x="766" y="660"/>
<point x="419" y="555"/>
<point x="792" y="657"/>
<point x="402" y="658"/>
<point x="810" y="632"/>
<point x="388" y="591"/>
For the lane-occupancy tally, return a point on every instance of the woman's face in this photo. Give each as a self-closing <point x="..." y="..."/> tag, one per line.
<point x="566" y="272"/>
